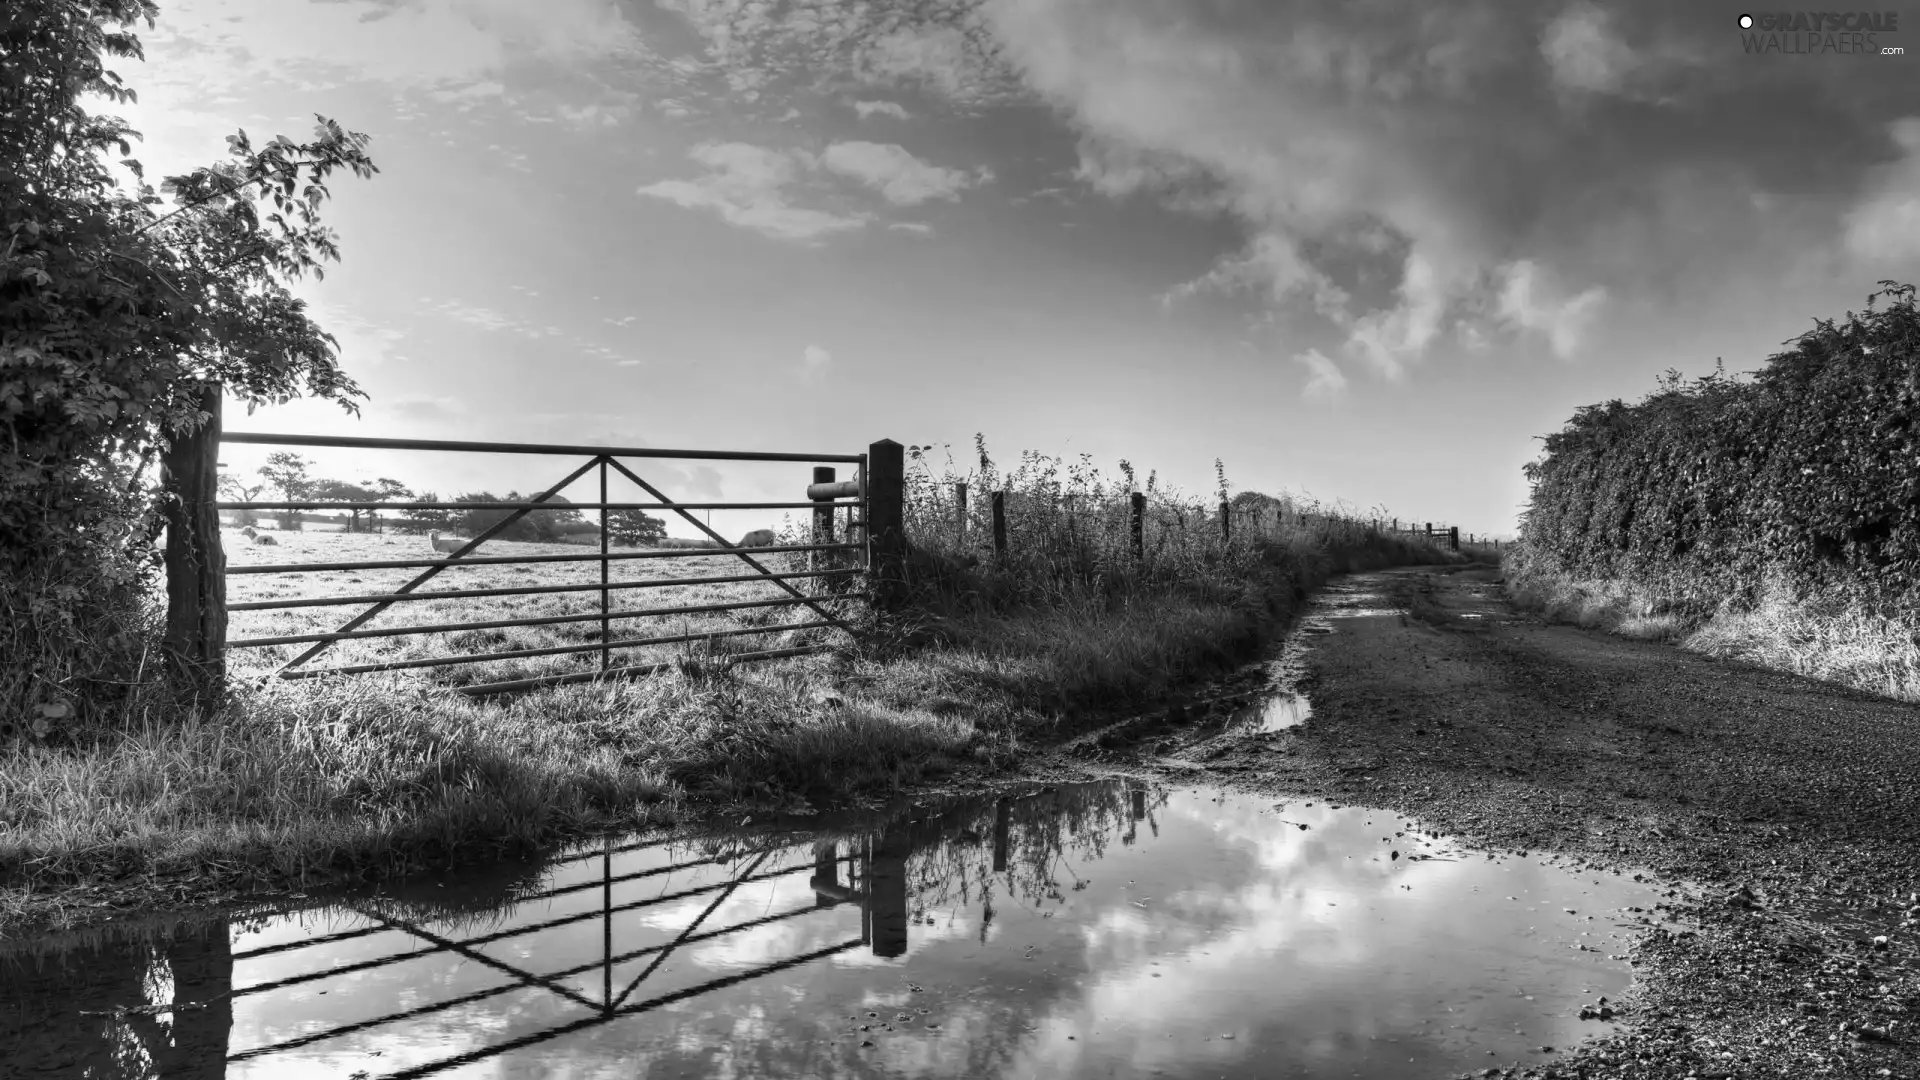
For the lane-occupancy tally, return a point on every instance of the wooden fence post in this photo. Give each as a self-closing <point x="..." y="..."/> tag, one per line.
<point x="1226" y="522"/>
<point x="1453" y="537"/>
<point x="1000" y="524"/>
<point x="885" y="524"/>
<point x="960" y="509"/>
<point x="196" y="637"/>
<point x="606" y="627"/>
<point x="823" y="533"/>
<point x="1139" y="501"/>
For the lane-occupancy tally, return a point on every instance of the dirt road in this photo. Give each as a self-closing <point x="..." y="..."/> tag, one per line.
<point x="1794" y="807"/>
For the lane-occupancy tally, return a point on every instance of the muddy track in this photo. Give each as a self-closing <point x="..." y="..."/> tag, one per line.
<point x="1786" y="812"/>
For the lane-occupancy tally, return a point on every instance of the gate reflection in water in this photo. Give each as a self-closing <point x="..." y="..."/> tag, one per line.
<point x="968" y="941"/>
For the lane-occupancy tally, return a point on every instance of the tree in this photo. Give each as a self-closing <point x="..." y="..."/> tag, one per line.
<point x="421" y="521"/>
<point x="235" y="491"/>
<point x="287" y="473"/>
<point x="114" y="314"/>
<point x="634" y="528"/>
<point x="536" y="526"/>
<point x="391" y="490"/>
<point x="342" y="491"/>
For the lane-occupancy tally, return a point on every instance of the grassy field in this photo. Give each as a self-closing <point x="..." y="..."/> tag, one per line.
<point x="291" y="782"/>
<point x="653" y="576"/>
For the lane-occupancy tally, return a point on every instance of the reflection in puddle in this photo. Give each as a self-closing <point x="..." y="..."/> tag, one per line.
<point x="1276" y="712"/>
<point x="1357" y="612"/>
<point x="1097" y="930"/>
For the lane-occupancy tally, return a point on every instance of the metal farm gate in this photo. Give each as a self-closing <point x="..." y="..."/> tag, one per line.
<point x="197" y="600"/>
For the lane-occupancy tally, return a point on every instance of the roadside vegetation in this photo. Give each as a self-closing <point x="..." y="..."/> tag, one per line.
<point x="1775" y="519"/>
<point x="314" y="780"/>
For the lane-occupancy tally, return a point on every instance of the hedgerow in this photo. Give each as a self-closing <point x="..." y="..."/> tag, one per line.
<point x="1810" y="469"/>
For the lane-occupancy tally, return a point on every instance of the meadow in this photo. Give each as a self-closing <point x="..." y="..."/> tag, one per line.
<point x="634" y="584"/>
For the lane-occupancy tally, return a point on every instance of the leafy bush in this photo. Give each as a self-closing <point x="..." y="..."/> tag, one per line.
<point x="1811" y="470"/>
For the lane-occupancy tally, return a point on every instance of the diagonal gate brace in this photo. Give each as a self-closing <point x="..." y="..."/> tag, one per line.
<point x="698" y="524"/>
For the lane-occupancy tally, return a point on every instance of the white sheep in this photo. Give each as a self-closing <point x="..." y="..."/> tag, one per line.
<point x="450" y="545"/>
<point x="757" y="538"/>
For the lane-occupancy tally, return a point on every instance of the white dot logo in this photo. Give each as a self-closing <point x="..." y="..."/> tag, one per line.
<point x="1746" y="22"/>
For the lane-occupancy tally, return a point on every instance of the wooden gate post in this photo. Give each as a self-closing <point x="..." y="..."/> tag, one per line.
<point x="960" y="509"/>
<point x="823" y="532"/>
<point x="1453" y="537"/>
<point x="1139" y="501"/>
<point x="196" y="636"/>
<point x="1000" y="524"/>
<point x="885" y="522"/>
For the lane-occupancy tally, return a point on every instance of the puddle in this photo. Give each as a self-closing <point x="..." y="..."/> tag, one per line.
<point x="1097" y="930"/>
<point x="1276" y="711"/>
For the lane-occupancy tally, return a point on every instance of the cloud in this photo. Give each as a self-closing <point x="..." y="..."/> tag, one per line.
<point x="455" y="47"/>
<point x="363" y="342"/>
<point x="493" y="321"/>
<point x="895" y="173"/>
<point x="1525" y="302"/>
<point x="915" y="227"/>
<point x="1585" y="52"/>
<point x="1271" y="263"/>
<point x="1884" y="226"/>
<point x="428" y="408"/>
<point x="868" y="109"/>
<point x="814" y="361"/>
<point x="1325" y="380"/>
<point x="746" y="185"/>
<point x="1467" y="138"/>
<point x="465" y="97"/>
<point x="751" y="54"/>
<point x="483" y="318"/>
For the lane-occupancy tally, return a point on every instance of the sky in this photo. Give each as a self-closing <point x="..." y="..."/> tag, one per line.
<point x="1365" y="250"/>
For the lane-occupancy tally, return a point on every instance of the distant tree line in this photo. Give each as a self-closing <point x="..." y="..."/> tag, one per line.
<point x="286" y="475"/>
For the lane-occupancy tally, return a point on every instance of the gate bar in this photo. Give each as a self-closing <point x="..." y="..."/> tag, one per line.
<point x="508" y="560"/>
<point x="258" y="438"/>
<point x="504" y="624"/>
<point x="631" y="672"/>
<point x="554" y="650"/>
<point x="499" y="505"/>
<point x="528" y="590"/>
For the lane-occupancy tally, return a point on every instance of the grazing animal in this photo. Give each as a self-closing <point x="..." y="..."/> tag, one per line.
<point x="757" y="538"/>
<point x="263" y="538"/>
<point x="248" y="532"/>
<point x="449" y="545"/>
<point x="684" y="542"/>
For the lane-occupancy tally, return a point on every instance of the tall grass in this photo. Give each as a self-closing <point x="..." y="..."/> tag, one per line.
<point x="1069" y="621"/>
<point x="1772" y="622"/>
